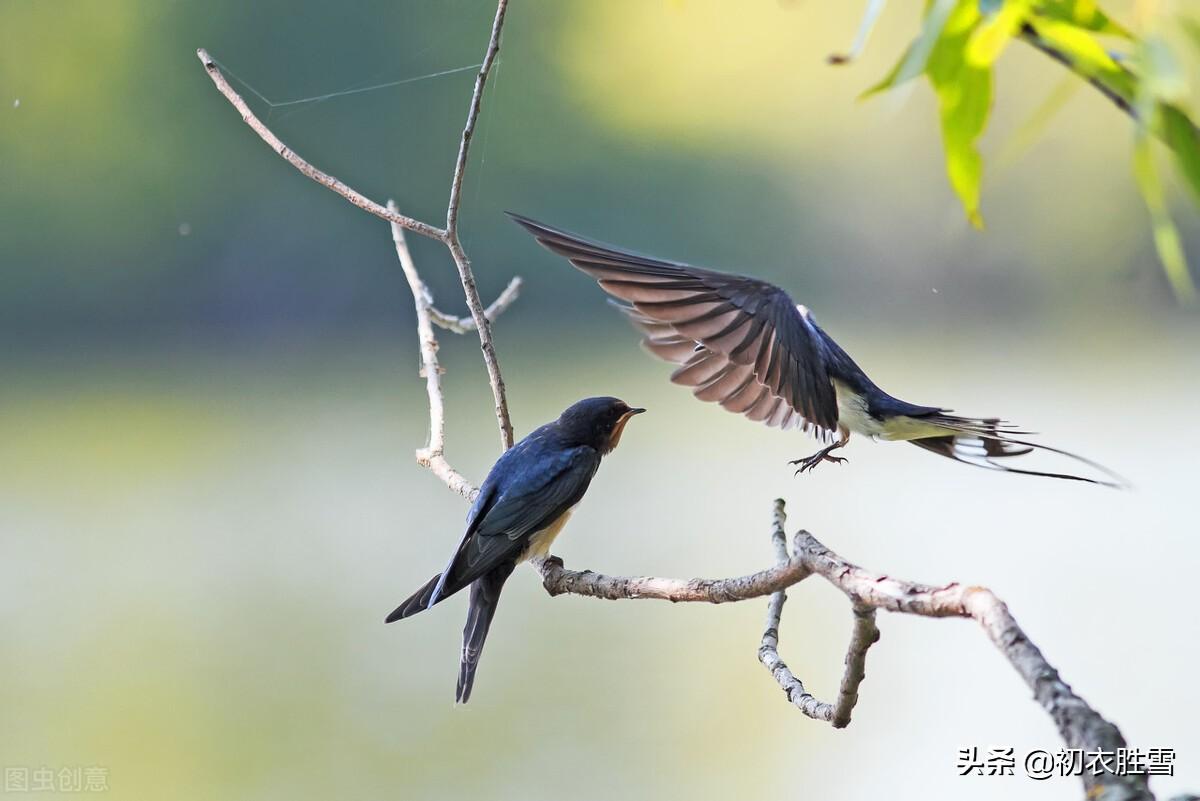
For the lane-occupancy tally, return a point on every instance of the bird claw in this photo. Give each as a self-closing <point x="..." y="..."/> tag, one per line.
<point x="810" y="462"/>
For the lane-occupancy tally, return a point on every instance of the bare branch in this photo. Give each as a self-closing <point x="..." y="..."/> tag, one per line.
<point x="464" y="144"/>
<point x="559" y="581"/>
<point x="1078" y="724"/>
<point x="433" y="455"/>
<point x="293" y="158"/>
<point x="480" y="318"/>
<point x="864" y="635"/>
<point x="463" y="325"/>
<point x="466" y="276"/>
<point x="768" y="651"/>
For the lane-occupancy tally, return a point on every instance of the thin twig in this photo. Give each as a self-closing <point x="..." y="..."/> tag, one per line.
<point x="466" y="276"/>
<point x="768" y="650"/>
<point x="464" y="144"/>
<point x="433" y="455"/>
<point x="293" y="158"/>
<point x="1078" y="724"/>
<point x="480" y="319"/>
<point x="464" y="325"/>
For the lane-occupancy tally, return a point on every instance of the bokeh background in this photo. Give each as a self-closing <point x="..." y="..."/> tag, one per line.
<point x="210" y="400"/>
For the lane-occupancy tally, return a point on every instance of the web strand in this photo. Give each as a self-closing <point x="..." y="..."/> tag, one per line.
<point x="272" y="105"/>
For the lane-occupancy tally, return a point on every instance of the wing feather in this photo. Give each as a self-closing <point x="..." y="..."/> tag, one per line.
<point x="741" y="342"/>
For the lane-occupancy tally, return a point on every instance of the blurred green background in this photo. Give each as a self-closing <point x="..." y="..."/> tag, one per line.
<point x="210" y="399"/>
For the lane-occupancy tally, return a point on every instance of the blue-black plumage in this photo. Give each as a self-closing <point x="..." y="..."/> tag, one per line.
<point x="745" y="344"/>
<point x="521" y="506"/>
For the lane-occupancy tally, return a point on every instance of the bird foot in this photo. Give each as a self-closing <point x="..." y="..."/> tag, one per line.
<point x="809" y="462"/>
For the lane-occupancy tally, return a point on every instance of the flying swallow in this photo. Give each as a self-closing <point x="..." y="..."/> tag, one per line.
<point x="521" y="507"/>
<point x="745" y="344"/>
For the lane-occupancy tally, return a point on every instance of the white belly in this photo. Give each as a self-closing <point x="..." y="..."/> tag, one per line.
<point x="540" y="542"/>
<point x="853" y="414"/>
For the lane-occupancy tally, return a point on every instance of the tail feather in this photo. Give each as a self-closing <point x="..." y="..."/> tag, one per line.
<point x="419" y="601"/>
<point x="485" y="594"/>
<point x="980" y="441"/>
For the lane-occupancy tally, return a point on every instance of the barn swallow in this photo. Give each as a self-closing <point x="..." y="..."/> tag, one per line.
<point x="521" y="507"/>
<point x="745" y="344"/>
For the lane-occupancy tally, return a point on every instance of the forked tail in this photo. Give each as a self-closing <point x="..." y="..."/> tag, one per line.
<point x="485" y="594"/>
<point x="981" y="441"/>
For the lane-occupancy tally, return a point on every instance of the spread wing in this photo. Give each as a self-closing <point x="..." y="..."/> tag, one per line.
<point x="529" y="488"/>
<point x="740" y="342"/>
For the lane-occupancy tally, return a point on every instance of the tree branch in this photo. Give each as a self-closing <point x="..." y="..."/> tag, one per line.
<point x="464" y="144"/>
<point x="480" y="320"/>
<point x="768" y="651"/>
<point x="482" y="325"/>
<point x="1078" y="724"/>
<point x="463" y="325"/>
<point x="292" y="157"/>
<point x="433" y="454"/>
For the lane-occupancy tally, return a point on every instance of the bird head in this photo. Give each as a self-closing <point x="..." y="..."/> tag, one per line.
<point x="597" y="422"/>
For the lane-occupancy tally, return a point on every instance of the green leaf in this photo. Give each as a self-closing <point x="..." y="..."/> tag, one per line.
<point x="1086" y="56"/>
<point x="888" y="80"/>
<point x="997" y="30"/>
<point x="1166" y="237"/>
<point x="910" y="65"/>
<point x="1082" y="14"/>
<point x="964" y="93"/>
<point x="1180" y="134"/>
<point x="1077" y="43"/>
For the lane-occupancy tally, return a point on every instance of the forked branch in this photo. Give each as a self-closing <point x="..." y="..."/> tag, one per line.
<point x="448" y="236"/>
<point x="1078" y="724"/>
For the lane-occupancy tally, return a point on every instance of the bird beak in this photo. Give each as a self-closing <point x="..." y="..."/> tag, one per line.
<point x="615" y="437"/>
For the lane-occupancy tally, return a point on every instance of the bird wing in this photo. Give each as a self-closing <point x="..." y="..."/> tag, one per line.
<point x="531" y="486"/>
<point x="740" y="342"/>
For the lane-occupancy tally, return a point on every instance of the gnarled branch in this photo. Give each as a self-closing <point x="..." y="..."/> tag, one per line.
<point x="1078" y="724"/>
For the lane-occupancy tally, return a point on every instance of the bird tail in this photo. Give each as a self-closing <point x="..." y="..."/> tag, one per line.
<point x="980" y="441"/>
<point x="485" y="594"/>
<point x="419" y="601"/>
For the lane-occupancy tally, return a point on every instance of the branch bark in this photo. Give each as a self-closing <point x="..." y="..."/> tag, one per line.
<point x="462" y="325"/>
<point x="433" y="454"/>
<point x="1078" y="724"/>
<point x="466" y="276"/>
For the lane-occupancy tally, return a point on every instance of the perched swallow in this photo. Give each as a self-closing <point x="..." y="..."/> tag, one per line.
<point x="745" y="344"/>
<point x="521" y="507"/>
